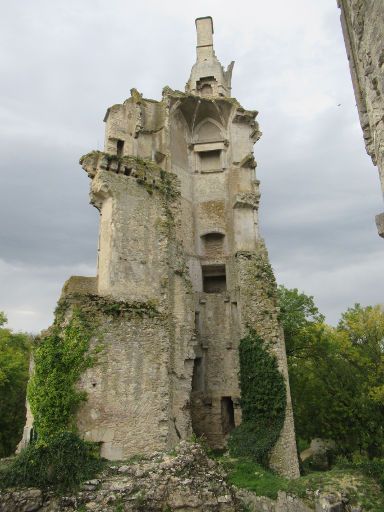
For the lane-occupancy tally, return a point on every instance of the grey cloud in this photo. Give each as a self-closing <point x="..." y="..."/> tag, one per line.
<point x="64" y="63"/>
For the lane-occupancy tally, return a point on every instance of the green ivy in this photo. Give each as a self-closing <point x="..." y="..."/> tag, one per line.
<point x="92" y="305"/>
<point x="60" y="358"/>
<point x="62" y="463"/>
<point x="63" y="354"/>
<point x="263" y="401"/>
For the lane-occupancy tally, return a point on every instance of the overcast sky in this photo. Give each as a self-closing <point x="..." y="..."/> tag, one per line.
<point x="63" y="62"/>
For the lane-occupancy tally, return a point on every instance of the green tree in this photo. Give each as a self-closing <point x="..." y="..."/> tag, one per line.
<point x="298" y="315"/>
<point x="14" y="363"/>
<point x="363" y="328"/>
<point x="336" y="374"/>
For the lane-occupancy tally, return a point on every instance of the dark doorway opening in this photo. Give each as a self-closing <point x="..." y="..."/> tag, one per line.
<point x="120" y="148"/>
<point x="227" y="415"/>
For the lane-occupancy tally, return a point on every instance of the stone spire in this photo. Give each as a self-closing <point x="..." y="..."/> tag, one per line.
<point x="208" y="77"/>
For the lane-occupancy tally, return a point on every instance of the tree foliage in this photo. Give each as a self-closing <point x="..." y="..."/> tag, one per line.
<point x="14" y="364"/>
<point x="336" y="374"/>
<point x="298" y="315"/>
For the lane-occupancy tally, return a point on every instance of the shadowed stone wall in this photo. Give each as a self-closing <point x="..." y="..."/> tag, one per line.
<point x="363" y="30"/>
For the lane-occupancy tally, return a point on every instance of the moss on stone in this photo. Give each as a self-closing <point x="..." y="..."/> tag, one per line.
<point x="92" y="305"/>
<point x="145" y="171"/>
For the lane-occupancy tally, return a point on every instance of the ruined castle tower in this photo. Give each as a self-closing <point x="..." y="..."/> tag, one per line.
<point x="179" y="242"/>
<point x="362" y="22"/>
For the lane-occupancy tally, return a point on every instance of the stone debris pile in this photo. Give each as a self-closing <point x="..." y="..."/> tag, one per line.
<point x="185" y="481"/>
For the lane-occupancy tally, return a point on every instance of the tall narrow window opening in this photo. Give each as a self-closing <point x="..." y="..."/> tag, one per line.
<point x="227" y="415"/>
<point x="119" y="148"/>
<point x="198" y="375"/>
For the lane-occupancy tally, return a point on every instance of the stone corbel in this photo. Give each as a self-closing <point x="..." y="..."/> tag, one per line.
<point x="255" y="133"/>
<point x="90" y="162"/>
<point x="100" y="190"/>
<point x="245" y="116"/>
<point x="247" y="200"/>
<point x="248" y="162"/>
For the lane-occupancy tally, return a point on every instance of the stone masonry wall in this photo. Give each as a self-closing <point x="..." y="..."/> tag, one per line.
<point x="143" y="381"/>
<point x="363" y="30"/>
<point x="138" y="393"/>
<point x="258" y="310"/>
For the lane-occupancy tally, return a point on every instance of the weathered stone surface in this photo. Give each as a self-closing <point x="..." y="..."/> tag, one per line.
<point x="178" y="200"/>
<point x="284" y="503"/>
<point x="314" y="502"/>
<point x="320" y="453"/>
<point x="187" y="481"/>
<point x="27" y="500"/>
<point x="363" y="30"/>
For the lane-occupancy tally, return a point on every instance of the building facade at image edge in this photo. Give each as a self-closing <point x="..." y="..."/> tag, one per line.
<point x="362" y="22"/>
<point x="178" y="201"/>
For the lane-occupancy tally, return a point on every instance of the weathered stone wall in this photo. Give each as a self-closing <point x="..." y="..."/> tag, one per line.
<point x="139" y="394"/>
<point x="216" y="387"/>
<point x="258" y="310"/>
<point x="363" y="30"/>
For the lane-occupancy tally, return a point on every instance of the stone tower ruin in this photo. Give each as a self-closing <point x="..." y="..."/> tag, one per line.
<point x="179" y="245"/>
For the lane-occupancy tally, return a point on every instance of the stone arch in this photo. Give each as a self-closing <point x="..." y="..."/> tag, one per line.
<point x="213" y="244"/>
<point x="180" y="135"/>
<point x="208" y="130"/>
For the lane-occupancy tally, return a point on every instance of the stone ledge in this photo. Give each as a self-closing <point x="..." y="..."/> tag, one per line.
<point x="79" y="285"/>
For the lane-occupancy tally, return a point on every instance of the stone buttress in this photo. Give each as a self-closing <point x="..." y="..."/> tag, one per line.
<point x="178" y="201"/>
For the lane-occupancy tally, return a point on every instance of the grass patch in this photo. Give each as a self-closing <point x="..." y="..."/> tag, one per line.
<point x="359" y="487"/>
<point x="247" y="474"/>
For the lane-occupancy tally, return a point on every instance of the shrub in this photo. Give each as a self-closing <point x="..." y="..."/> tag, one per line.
<point x="63" y="463"/>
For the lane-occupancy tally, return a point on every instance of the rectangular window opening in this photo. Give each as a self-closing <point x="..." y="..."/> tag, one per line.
<point x="210" y="160"/>
<point x="214" y="279"/>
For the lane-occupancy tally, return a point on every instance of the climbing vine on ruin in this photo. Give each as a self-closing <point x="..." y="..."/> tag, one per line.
<point x="64" y="353"/>
<point x="60" y="358"/>
<point x="263" y="401"/>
